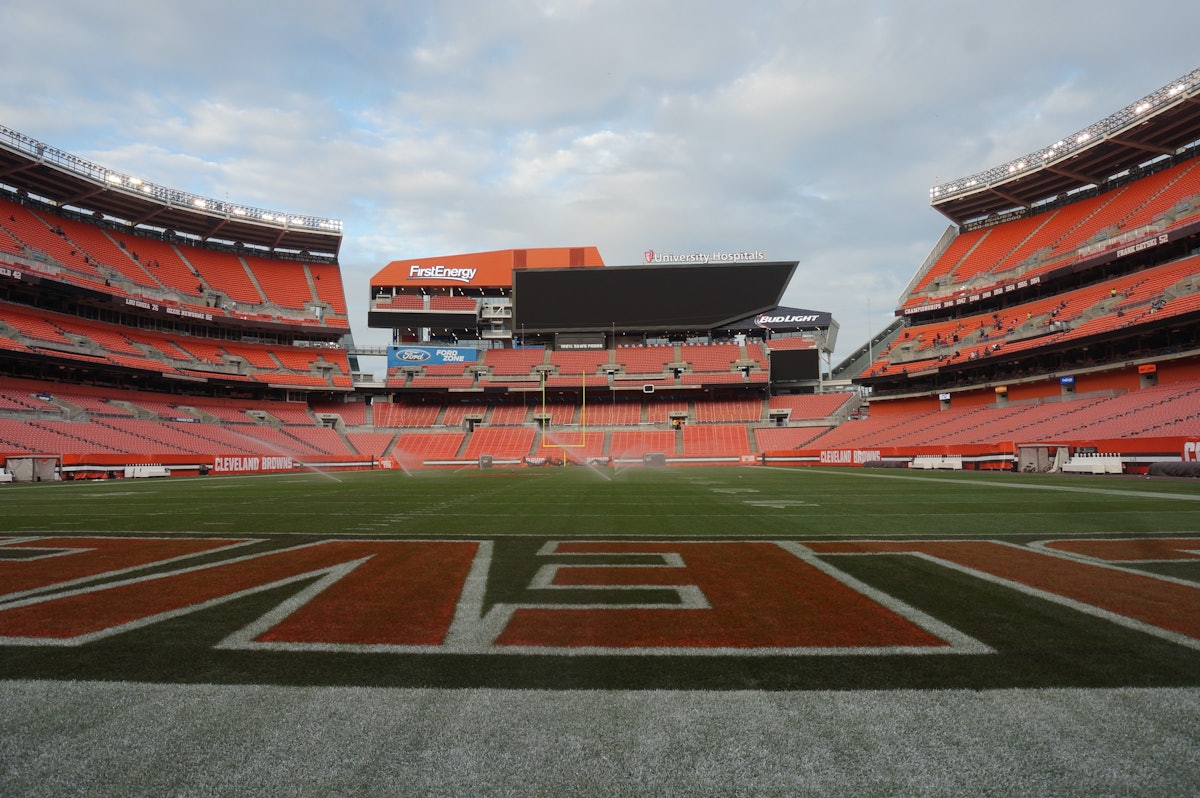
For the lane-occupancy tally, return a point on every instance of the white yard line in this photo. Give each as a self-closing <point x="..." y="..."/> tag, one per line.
<point x="1144" y="494"/>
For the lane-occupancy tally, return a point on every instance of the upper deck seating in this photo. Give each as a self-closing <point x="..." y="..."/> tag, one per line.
<point x="579" y="362"/>
<point x="711" y="357"/>
<point x="327" y="277"/>
<point x="285" y="283"/>
<point x="224" y="272"/>
<point x="644" y="359"/>
<point x="513" y="362"/>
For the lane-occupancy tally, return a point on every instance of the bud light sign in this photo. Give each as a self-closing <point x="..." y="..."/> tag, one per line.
<point x="430" y="355"/>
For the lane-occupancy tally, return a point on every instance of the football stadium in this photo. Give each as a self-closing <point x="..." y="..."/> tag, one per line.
<point x="682" y="549"/>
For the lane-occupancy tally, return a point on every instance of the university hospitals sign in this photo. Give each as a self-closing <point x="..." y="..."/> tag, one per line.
<point x="703" y="257"/>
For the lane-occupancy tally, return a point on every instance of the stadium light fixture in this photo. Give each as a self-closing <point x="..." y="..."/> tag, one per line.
<point x="94" y="172"/>
<point x="1114" y="123"/>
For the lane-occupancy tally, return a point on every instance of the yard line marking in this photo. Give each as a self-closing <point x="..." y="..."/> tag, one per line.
<point x="1143" y="494"/>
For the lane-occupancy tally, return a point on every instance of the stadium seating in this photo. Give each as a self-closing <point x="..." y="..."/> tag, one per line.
<point x="511" y="415"/>
<point x="31" y="230"/>
<point x="102" y="250"/>
<point x="453" y="303"/>
<point x="712" y="357"/>
<point x="376" y="444"/>
<point x="225" y="272"/>
<point x="633" y="444"/>
<point x="729" y="410"/>
<point x="327" y="278"/>
<point x="645" y="360"/>
<point x="457" y="413"/>
<point x="404" y="415"/>
<point x="811" y="406"/>
<point x="9" y="245"/>
<point x="573" y="446"/>
<point x="724" y="440"/>
<point x="578" y="362"/>
<point x="660" y="412"/>
<point x="508" y="443"/>
<point x="417" y="447"/>
<point x="779" y="438"/>
<point x="513" y="362"/>
<point x="1035" y="244"/>
<point x="609" y="414"/>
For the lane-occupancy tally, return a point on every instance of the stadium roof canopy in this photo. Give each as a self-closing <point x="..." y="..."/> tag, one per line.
<point x="1163" y="123"/>
<point x="66" y="180"/>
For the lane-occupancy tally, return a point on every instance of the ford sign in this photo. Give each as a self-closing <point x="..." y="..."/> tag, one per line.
<point x="430" y="355"/>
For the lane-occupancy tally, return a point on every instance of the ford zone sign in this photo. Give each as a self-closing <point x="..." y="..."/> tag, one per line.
<point x="430" y="355"/>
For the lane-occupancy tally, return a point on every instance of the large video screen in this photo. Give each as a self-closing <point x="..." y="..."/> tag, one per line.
<point x="789" y="365"/>
<point x="676" y="297"/>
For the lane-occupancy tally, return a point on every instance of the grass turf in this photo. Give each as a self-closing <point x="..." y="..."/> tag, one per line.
<point x="672" y="502"/>
<point x="1036" y="643"/>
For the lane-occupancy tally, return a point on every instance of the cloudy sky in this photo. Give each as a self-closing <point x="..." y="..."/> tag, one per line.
<point x="808" y="130"/>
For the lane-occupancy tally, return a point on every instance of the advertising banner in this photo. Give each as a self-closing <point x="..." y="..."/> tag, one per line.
<point x="430" y="355"/>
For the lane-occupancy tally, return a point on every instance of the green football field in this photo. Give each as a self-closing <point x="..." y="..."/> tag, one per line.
<point x="585" y="631"/>
<point x="602" y="501"/>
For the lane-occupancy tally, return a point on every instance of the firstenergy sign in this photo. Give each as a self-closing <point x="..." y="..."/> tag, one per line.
<point x="457" y="275"/>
